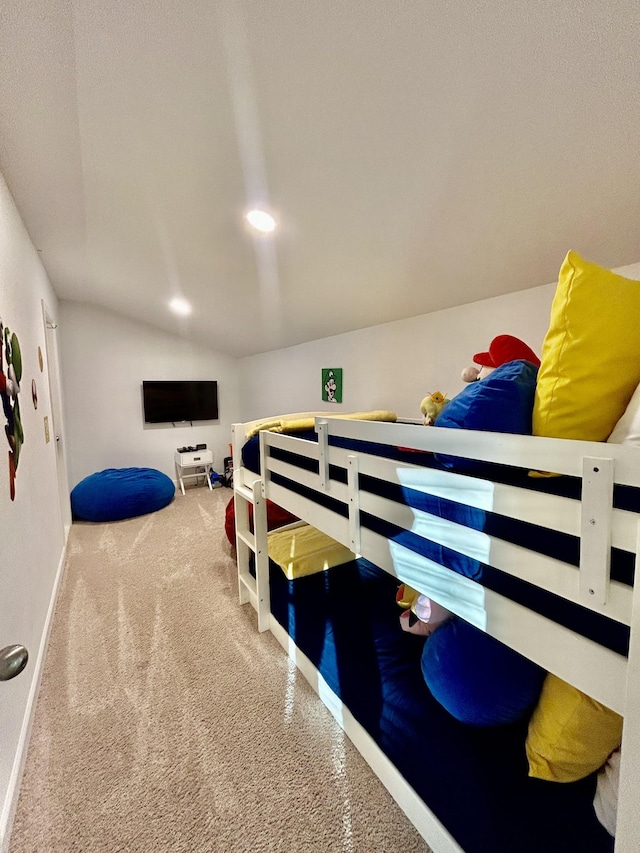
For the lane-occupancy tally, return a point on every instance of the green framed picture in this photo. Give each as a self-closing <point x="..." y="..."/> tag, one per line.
<point x="332" y="384"/>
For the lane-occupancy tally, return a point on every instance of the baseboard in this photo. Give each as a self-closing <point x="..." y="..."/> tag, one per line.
<point x="11" y="800"/>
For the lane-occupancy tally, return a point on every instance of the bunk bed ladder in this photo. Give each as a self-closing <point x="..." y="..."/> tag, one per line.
<point x="248" y="544"/>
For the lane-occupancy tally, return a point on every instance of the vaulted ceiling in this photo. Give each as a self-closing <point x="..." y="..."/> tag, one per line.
<point x="417" y="154"/>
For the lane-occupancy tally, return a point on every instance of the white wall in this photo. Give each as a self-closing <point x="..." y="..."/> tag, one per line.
<point x="32" y="525"/>
<point x="395" y="365"/>
<point x="105" y="359"/>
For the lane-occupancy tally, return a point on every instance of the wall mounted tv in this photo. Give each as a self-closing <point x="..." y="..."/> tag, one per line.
<point x="174" y="402"/>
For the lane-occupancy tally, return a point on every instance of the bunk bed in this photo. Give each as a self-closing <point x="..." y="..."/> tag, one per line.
<point x="530" y="541"/>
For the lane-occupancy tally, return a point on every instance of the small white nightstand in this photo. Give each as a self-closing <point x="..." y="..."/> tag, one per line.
<point x="191" y="460"/>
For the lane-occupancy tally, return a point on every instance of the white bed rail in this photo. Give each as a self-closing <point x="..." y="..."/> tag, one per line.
<point x="593" y="668"/>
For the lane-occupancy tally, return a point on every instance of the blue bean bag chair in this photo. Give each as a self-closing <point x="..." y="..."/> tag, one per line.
<point x="117" y="493"/>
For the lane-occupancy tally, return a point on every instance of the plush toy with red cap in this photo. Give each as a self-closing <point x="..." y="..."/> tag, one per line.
<point x="502" y="349"/>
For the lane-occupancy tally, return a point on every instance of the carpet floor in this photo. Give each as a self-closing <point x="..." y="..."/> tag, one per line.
<point x="165" y="722"/>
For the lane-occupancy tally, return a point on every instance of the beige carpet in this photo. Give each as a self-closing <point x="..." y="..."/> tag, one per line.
<point x="165" y="722"/>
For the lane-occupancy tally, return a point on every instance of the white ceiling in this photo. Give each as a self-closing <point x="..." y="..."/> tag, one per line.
<point x="419" y="154"/>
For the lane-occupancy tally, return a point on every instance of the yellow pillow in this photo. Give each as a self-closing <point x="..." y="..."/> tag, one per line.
<point x="304" y="550"/>
<point x="590" y="355"/>
<point x="570" y="735"/>
<point x="303" y="424"/>
<point x="307" y="422"/>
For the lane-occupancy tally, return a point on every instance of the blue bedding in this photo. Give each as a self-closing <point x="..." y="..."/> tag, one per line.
<point x="474" y="780"/>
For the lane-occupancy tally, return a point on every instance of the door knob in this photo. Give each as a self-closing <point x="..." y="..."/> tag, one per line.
<point x="13" y="660"/>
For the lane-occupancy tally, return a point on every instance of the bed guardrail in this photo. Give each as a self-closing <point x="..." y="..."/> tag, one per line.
<point x="325" y="488"/>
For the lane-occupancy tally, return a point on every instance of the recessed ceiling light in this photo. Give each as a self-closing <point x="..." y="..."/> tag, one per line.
<point x="261" y="221"/>
<point x="180" y="306"/>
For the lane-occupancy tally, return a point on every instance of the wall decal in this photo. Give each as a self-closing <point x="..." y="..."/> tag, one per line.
<point x="34" y="393"/>
<point x="47" y="434"/>
<point x="40" y="360"/>
<point x="10" y="377"/>
<point x="332" y="384"/>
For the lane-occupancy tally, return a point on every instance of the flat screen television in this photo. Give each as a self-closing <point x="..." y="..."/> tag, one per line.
<point x="173" y="402"/>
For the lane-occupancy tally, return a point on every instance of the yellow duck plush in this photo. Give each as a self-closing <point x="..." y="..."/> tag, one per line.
<point x="432" y="405"/>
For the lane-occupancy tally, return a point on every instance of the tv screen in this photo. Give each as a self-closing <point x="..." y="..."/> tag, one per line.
<point x="172" y="402"/>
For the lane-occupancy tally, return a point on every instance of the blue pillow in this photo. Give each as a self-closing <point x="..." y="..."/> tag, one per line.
<point x="478" y="679"/>
<point x="117" y="493"/>
<point x="503" y="402"/>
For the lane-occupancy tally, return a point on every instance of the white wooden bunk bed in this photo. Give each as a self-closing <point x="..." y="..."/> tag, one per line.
<point x="332" y="484"/>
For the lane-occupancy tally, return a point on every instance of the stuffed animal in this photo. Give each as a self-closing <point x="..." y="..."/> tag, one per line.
<point x="420" y="614"/>
<point x="432" y="405"/>
<point x="502" y="349"/>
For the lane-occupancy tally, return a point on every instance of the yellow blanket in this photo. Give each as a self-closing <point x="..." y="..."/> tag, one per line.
<point x="304" y="550"/>
<point x="306" y="423"/>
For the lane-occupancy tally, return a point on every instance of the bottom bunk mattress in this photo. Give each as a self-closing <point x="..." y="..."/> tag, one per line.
<point x="475" y="780"/>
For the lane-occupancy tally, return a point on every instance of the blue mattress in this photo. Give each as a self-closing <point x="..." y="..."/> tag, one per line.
<point x="474" y="780"/>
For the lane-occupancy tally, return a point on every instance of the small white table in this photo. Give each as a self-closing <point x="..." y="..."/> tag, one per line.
<point x="191" y="460"/>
